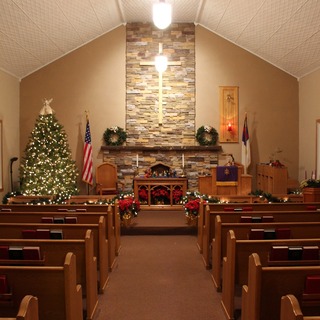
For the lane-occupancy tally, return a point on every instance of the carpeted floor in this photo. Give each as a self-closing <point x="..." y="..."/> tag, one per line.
<point x="159" y="277"/>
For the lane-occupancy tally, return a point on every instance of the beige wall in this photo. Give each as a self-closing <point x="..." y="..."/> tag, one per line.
<point x="268" y="95"/>
<point x="9" y="114"/>
<point x="309" y="101"/>
<point x="93" y="78"/>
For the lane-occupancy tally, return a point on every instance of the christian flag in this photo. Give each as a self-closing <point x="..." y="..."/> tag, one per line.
<point x="87" y="156"/>
<point x="245" y="151"/>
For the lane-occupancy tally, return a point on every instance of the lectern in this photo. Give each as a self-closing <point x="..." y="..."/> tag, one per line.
<point x="226" y="180"/>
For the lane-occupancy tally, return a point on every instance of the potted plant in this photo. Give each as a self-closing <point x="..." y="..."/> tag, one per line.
<point x="310" y="190"/>
<point x="128" y="209"/>
<point x="191" y="208"/>
<point x="177" y="194"/>
<point x="160" y="195"/>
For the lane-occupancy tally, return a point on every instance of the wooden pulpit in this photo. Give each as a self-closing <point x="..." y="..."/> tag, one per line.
<point x="230" y="180"/>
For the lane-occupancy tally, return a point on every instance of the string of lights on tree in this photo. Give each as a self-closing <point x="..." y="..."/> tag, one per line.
<point x="47" y="167"/>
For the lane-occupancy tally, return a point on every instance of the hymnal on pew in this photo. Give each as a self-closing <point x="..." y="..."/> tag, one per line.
<point x="310" y="253"/>
<point x="256" y="234"/>
<point x="4" y="252"/>
<point x="47" y="219"/>
<point x="269" y="234"/>
<point x="58" y="220"/>
<point x="295" y="253"/>
<point x="31" y="253"/>
<point x="15" y="253"/>
<point x="71" y="219"/>
<point x="29" y="234"/>
<point x="279" y="253"/>
<point x="43" y="233"/>
<point x="56" y="234"/>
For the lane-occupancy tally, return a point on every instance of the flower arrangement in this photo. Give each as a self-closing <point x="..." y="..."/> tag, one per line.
<point x="192" y="207"/>
<point x="207" y="135"/>
<point x="160" y="194"/>
<point x="128" y="207"/>
<point x="114" y="136"/>
<point x="310" y="183"/>
<point x="276" y="164"/>
<point x="143" y="194"/>
<point x="177" y="195"/>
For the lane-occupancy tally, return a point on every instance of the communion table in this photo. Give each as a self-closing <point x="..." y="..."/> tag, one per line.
<point x="155" y="192"/>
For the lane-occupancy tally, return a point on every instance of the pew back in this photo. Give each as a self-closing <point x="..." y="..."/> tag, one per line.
<point x="235" y="264"/>
<point x="261" y="298"/>
<point x="290" y="309"/>
<point x="55" y="251"/>
<point x="60" y="297"/>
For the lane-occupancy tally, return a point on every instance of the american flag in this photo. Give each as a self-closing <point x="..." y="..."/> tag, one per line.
<point x="87" y="157"/>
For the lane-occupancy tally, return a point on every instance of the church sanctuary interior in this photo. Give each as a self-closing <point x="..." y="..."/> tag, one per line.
<point x="159" y="159"/>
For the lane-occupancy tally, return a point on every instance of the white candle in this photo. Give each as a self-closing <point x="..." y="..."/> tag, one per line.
<point x="183" y="160"/>
<point x="137" y="161"/>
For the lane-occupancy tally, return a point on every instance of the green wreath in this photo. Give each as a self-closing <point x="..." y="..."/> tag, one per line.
<point x="207" y="135"/>
<point x="114" y="136"/>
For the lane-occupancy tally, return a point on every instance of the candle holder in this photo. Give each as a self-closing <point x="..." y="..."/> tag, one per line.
<point x="136" y="171"/>
<point x="183" y="175"/>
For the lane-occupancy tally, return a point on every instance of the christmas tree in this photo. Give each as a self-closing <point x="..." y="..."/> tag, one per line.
<point x="47" y="167"/>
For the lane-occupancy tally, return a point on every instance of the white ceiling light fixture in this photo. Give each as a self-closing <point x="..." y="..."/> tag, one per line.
<point x="162" y="13"/>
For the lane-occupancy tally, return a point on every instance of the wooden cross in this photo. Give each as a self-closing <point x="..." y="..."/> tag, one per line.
<point x="152" y="63"/>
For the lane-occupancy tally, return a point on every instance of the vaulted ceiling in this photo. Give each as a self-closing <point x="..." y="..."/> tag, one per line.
<point x="33" y="33"/>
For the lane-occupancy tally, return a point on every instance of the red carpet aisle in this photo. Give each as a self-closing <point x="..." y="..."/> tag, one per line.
<point x="160" y="277"/>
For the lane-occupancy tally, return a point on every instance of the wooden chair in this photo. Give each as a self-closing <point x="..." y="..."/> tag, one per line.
<point x="107" y="179"/>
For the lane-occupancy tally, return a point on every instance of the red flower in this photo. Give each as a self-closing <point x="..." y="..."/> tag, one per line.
<point x="192" y="206"/>
<point x="160" y="193"/>
<point x="143" y="195"/>
<point x="177" y="194"/>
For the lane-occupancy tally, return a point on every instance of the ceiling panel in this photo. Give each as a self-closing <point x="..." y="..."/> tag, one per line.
<point x="34" y="33"/>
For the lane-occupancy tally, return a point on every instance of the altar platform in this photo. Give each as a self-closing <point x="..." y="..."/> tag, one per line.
<point x="159" y="222"/>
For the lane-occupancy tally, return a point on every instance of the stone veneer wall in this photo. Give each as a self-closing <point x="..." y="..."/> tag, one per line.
<point x="178" y="127"/>
<point x="196" y="162"/>
<point x="142" y="92"/>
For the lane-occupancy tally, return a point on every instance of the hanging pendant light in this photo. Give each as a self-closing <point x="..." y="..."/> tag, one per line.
<point x="162" y="14"/>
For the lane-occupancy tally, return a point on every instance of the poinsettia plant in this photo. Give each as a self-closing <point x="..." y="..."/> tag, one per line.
<point x="160" y="193"/>
<point x="192" y="207"/>
<point x="128" y="205"/>
<point x="177" y="194"/>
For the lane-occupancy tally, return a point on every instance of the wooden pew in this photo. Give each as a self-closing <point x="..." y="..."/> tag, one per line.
<point x="261" y="297"/>
<point x="54" y="252"/>
<point x="59" y="295"/>
<point x="299" y="230"/>
<point x="28" y="309"/>
<point x="111" y="218"/>
<point x="85" y="212"/>
<point x="290" y="309"/>
<point x="218" y="208"/>
<point x="235" y="264"/>
<point x="208" y="232"/>
<point x="70" y="231"/>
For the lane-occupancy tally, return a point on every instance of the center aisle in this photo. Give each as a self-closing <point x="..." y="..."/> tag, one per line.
<point x="159" y="277"/>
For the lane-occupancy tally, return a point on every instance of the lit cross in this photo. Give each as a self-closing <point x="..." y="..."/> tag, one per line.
<point x="152" y="63"/>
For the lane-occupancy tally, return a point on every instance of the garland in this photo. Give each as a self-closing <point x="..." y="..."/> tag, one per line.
<point x="114" y="136"/>
<point x="207" y="135"/>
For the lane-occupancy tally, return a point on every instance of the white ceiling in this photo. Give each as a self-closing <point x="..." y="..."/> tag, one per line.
<point x="285" y="33"/>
